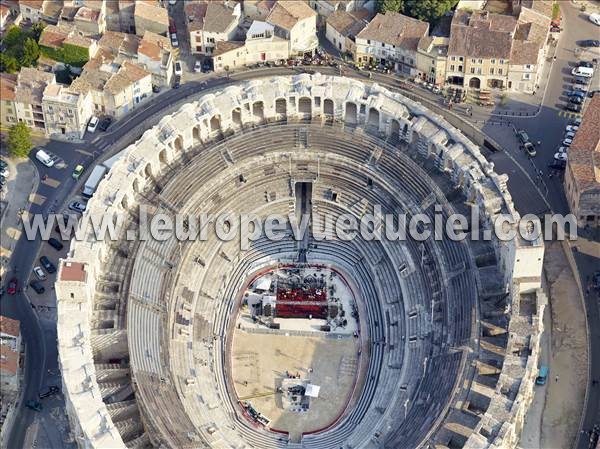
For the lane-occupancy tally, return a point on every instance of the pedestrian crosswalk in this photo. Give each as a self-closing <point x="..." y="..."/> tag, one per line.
<point x="569" y="114"/>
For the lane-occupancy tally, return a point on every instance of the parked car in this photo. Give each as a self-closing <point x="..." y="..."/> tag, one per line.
<point x="3" y="163"/>
<point x="576" y="122"/>
<point x="573" y="107"/>
<point x="178" y="68"/>
<point x="13" y="284"/>
<point x="174" y="41"/>
<point x="177" y="82"/>
<point x="105" y="123"/>
<point x="49" y="391"/>
<point x="589" y="43"/>
<point x="37" y="286"/>
<point x="207" y="66"/>
<point x="39" y="273"/>
<point x="569" y="135"/>
<point x="542" y="376"/>
<point x="172" y="27"/>
<point x="522" y="135"/>
<point x="595" y="19"/>
<point x="587" y="64"/>
<point x="563" y="149"/>
<point x="77" y="206"/>
<point x="48" y="266"/>
<point x="580" y="81"/>
<point x="529" y="149"/>
<point x="4" y="172"/>
<point x="54" y="243"/>
<point x="576" y="93"/>
<point x="77" y="172"/>
<point x="576" y="100"/>
<point x="155" y="88"/>
<point x="560" y="156"/>
<point x="558" y="165"/>
<point x="198" y="66"/>
<point x="567" y="142"/>
<point x="34" y="405"/>
<point x="93" y="124"/>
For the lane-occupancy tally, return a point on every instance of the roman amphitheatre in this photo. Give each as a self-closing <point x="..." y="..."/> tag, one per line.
<point x="292" y="343"/>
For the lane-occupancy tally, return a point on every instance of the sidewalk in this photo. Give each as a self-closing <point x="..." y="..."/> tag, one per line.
<point x="22" y="184"/>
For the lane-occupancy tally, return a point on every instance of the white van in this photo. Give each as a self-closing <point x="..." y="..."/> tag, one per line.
<point x="93" y="124"/>
<point x="585" y="72"/>
<point x="595" y="18"/>
<point x="44" y="158"/>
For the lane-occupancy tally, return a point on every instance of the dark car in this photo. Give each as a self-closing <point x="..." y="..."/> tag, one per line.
<point x="573" y="107"/>
<point x="13" y="284"/>
<point x="155" y="88"/>
<point x="558" y="164"/>
<point x="576" y="100"/>
<point x="49" y="266"/>
<point x="589" y="43"/>
<point x="48" y="391"/>
<point x="105" y="123"/>
<point x="177" y="82"/>
<point x="54" y="243"/>
<point x="576" y="93"/>
<point x="587" y="64"/>
<point x="34" y="405"/>
<point x="522" y="135"/>
<point x="37" y="286"/>
<point x="579" y="80"/>
<point x="207" y="66"/>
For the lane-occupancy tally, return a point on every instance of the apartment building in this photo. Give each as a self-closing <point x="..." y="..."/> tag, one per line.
<point x="10" y="349"/>
<point x="33" y="10"/>
<point x="91" y="21"/>
<point x="391" y="39"/>
<point x="432" y="57"/>
<point x="211" y="22"/>
<point x="342" y="27"/>
<point x="582" y="175"/>
<point x="325" y="8"/>
<point x="155" y="54"/>
<point x="149" y="16"/>
<point x="66" y="112"/>
<point x="261" y="45"/>
<point x="29" y="94"/>
<point x="8" y="109"/>
<point x="295" y="22"/>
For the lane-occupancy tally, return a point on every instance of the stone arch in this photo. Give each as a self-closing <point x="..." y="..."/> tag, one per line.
<point x="328" y="107"/>
<point x="281" y="106"/>
<point x="196" y="134"/>
<point x="475" y="83"/>
<point x="136" y="185"/>
<point x="395" y="128"/>
<point x="350" y="115"/>
<point x="236" y="116"/>
<point x="415" y="137"/>
<point x="125" y="202"/>
<point x="258" y="111"/>
<point x="373" y="118"/>
<point x="305" y="105"/>
<point x="215" y="123"/>
<point x="148" y="170"/>
<point x="178" y="143"/>
<point x="162" y="156"/>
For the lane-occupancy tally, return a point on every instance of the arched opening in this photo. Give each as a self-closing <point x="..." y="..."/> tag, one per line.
<point x="215" y="123"/>
<point x="136" y="186"/>
<point x="258" y="111"/>
<point x="178" y="143"/>
<point x="395" y="128"/>
<point x="350" y="115"/>
<point x="415" y="137"/>
<point x="148" y="171"/>
<point x="236" y="117"/>
<point x="373" y="119"/>
<point x="162" y="156"/>
<point x="196" y="134"/>
<point x="475" y="83"/>
<point x="280" y="106"/>
<point x="328" y="107"/>
<point x="305" y="106"/>
<point x="125" y="202"/>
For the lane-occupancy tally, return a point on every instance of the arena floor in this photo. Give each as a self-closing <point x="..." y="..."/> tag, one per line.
<point x="261" y="360"/>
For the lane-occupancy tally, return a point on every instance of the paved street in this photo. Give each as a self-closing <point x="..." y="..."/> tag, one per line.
<point x="529" y="193"/>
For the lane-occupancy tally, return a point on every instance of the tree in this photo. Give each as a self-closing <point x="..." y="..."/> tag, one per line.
<point x="19" y="140"/>
<point x="31" y="53"/>
<point x="428" y="10"/>
<point x="13" y="37"/>
<point x="8" y="64"/>
<point x="384" y="6"/>
<point x="36" y="30"/>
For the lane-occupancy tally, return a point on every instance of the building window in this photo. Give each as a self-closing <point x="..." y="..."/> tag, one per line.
<point x="480" y="61"/>
<point x="472" y="61"/>
<point x="491" y="70"/>
<point x="528" y="66"/>
<point x="473" y="70"/>
<point x="500" y="71"/>
<point x="526" y="76"/>
<point x="502" y="61"/>
<point x="479" y="71"/>
<point x="382" y="45"/>
<point x="460" y="68"/>
<point x="460" y="58"/>
<point x="452" y="58"/>
<point x="493" y="61"/>
<point x="369" y="41"/>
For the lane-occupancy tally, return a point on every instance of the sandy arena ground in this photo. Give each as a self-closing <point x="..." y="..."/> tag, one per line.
<point x="261" y="360"/>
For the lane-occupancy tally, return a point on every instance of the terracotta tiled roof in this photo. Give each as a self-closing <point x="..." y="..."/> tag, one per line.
<point x="395" y="29"/>
<point x="9" y="326"/>
<point x="33" y="4"/>
<point x="8" y="84"/>
<point x="52" y="36"/>
<point x="72" y="271"/>
<point x="209" y="16"/>
<point x="151" y="12"/>
<point x="348" y="23"/>
<point x="9" y="360"/>
<point x="286" y="14"/>
<point x="226" y="46"/>
<point x="584" y="154"/>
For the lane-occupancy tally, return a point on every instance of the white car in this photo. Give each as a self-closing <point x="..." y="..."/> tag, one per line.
<point x="39" y="273"/>
<point x="174" y="41"/>
<point x="570" y="135"/>
<point x="563" y="149"/>
<point x="572" y="128"/>
<point x="198" y="66"/>
<point x="178" y="68"/>
<point x="78" y="206"/>
<point x="93" y="124"/>
<point x="595" y="19"/>
<point x="567" y="142"/>
<point x="4" y="172"/>
<point x="172" y="2"/>
<point x="561" y="156"/>
<point x="577" y="121"/>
